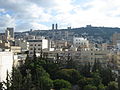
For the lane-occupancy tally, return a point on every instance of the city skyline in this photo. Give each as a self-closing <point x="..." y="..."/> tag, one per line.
<point x="40" y="14"/>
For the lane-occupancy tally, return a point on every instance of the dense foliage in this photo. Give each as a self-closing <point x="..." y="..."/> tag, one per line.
<point x="44" y="74"/>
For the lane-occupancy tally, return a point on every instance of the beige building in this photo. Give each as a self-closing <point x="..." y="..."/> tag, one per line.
<point x="82" y="56"/>
<point x="15" y="49"/>
<point x="37" y="45"/>
<point x="61" y="44"/>
<point x="22" y="43"/>
<point x="115" y="38"/>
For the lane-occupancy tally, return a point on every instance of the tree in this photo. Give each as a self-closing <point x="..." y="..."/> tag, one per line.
<point x="70" y="63"/>
<point x="60" y="84"/>
<point x="1" y="86"/>
<point x="70" y="75"/>
<point x="119" y="82"/>
<point x="50" y="67"/>
<point x="107" y="76"/>
<point x="101" y="87"/>
<point x="90" y="87"/>
<point x="47" y="83"/>
<point x="86" y="70"/>
<point x="96" y="66"/>
<point x="112" y="86"/>
<point x="96" y="78"/>
<point x="17" y="79"/>
<point x="85" y="81"/>
<point x="27" y="81"/>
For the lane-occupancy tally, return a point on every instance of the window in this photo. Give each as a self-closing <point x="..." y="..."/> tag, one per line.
<point x="31" y="52"/>
<point x="35" y="44"/>
<point x="31" y="44"/>
<point x="31" y="48"/>
<point x="39" y="49"/>
<point x="39" y="45"/>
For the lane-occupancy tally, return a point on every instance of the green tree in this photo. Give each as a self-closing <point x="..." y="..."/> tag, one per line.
<point x="119" y="82"/>
<point x="112" y="86"/>
<point x="85" y="70"/>
<point x="107" y="76"/>
<point x="101" y="87"/>
<point x="97" y="66"/>
<point x="70" y="75"/>
<point x="96" y="78"/>
<point x="60" y="84"/>
<point x="27" y="81"/>
<point x="50" y="67"/>
<point x="90" y="87"/>
<point x="17" y="80"/>
<point x="85" y="81"/>
<point x="47" y="83"/>
<point x="71" y="63"/>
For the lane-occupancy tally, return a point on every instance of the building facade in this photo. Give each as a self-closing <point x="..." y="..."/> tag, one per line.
<point x="6" y="64"/>
<point x="37" y="45"/>
<point x="80" y="41"/>
<point x="9" y="33"/>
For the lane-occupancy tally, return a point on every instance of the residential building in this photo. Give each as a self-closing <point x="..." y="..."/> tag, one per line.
<point x="15" y="49"/>
<point x="37" y="45"/>
<point x="80" y="41"/>
<point x="9" y="34"/>
<point x="6" y="64"/>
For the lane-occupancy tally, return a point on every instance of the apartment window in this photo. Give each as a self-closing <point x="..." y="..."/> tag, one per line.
<point x="39" y="45"/>
<point x="39" y="49"/>
<point x="91" y="53"/>
<point x="31" y="44"/>
<point x="31" y="52"/>
<point x="35" y="44"/>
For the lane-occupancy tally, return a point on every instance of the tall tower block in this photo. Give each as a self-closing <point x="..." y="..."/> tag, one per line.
<point x="52" y="26"/>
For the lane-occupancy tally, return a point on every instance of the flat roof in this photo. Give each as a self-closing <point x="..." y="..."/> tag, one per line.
<point x="34" y="40"/>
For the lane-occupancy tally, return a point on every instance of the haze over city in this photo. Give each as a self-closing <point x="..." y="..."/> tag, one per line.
<point x="40" y="14"/>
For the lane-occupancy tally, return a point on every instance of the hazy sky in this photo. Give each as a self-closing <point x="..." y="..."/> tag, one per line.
<point x="40" y="14"/>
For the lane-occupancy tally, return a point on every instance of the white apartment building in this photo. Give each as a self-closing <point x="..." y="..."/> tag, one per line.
<point x="80" y="41"/>
<point x="37" y="45"/>
<point x="6" y="64"/>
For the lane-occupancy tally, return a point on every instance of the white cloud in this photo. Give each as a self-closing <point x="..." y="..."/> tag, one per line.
<point x="38" y="26"/>
<point x="26" y="14"/>
<point x="2" y="10"/>
<point x="97" y="12"/>
<point x="7" y="20"/>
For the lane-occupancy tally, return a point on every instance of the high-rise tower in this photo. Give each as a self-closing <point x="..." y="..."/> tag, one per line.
<point x="9" y="33"/>
<point x="52" y="26"/>
<point x="56" y="26"/>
